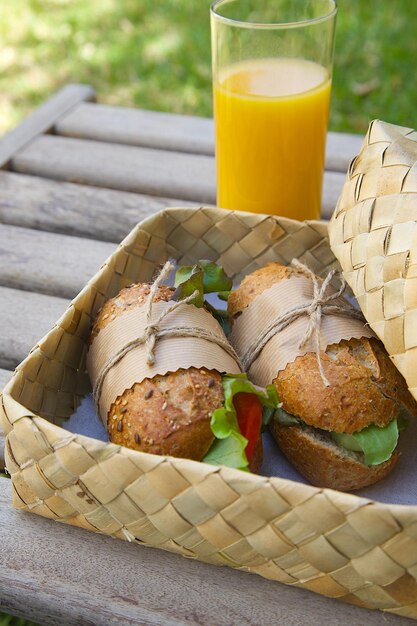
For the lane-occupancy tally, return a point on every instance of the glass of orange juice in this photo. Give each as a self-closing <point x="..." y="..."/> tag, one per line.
<point x="272" y="69"/>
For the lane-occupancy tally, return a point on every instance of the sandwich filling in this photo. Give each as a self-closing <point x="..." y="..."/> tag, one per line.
<point x="237" y="424"/>
<point x="374" y="445"/>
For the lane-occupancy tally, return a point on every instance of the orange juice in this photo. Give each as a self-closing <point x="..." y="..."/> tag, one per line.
<point x="271" y="121"/>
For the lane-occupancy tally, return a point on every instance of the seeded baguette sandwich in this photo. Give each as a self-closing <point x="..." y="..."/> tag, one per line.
<point x="343" y="436"/>
<point x="192" y="413"/>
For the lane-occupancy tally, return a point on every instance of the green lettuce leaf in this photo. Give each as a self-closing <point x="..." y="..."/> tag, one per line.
<point x="229" y="451"/>
<point x="377" y="444"/>
<point x="280" y="415"/>
<point x="214" y="277"/>
<point x="224" y="422"/>
<point x="284" y="418"/>
<point x="221" y="316"/>
<point x="187" y="283"/>
<point x="346" y="441"/>
<point x="203" y="277"/>
<point x="267" y="415"/>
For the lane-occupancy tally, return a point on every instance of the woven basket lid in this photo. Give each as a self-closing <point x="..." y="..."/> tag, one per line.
<point x="373" y="234"/>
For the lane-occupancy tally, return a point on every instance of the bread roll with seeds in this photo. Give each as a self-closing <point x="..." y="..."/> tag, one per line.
<point x="169" y="414"/>
<point x="365" y="389"/>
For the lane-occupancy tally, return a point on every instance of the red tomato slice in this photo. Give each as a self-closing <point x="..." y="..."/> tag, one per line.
<point x="249" y="416"/>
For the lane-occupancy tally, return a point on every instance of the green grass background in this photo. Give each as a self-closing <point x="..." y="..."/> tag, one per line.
<point x="9" y="620"/>
<point x="156" y="54"/>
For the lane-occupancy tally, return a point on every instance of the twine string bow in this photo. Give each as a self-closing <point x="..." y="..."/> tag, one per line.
<point x="153" y="332"/>
<point x="321" y="304"/>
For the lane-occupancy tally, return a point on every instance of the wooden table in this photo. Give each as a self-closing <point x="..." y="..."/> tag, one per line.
<point x="75" y="177"/>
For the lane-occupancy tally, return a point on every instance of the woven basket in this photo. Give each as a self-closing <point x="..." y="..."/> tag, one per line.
<point x="335" y="544"/>
<point x="373" y="233"/>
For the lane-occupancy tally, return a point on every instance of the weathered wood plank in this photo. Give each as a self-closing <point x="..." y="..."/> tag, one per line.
<point x="56" y="574"/>
<point x="340" y="150"/>
<point x="142" y="170"/>
<point x="42" y="119"/>
<point x="25" y="318"/>
<point x="167" y="131"/>
<point x="49" y="263"/>
<point x="5" y="376"/>
<point x="75" y="209"/>
<point x="332" y="187"/>
<point x="137" y="127"/>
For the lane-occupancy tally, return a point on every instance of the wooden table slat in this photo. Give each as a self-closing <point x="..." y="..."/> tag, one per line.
<point x="5" y="376"/>
<point x="143" y="170"/>
<point x="75" y="577"/>
<point x="73" y="209"/>
<point x="133" y="169"/>
<point x="43" y="119"/>
<point x="25" y="318"/>
<point x="138" y="127"/>
<point x="49" y="263"/>
<point x="167" y="131"/>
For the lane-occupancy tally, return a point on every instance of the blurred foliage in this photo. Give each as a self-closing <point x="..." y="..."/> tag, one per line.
<point x="157" y="55"/>
<point x="376" y="48"/>
<point x="9" y="620"/>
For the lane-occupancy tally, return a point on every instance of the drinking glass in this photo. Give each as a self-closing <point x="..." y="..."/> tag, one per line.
<point x="272" y="69"/>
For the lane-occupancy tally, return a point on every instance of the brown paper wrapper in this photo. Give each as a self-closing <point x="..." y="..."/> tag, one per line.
<point x="284" y="347"/>
<point x="171" y="353"/>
